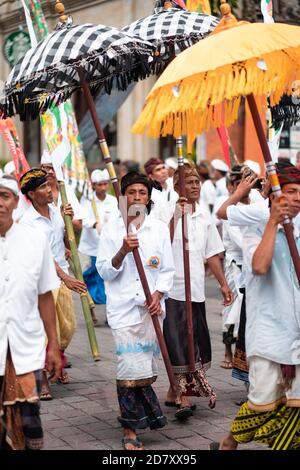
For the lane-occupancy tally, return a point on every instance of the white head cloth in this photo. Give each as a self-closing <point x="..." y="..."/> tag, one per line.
<point x="219" y="165"/>
<point x="46" y="158"/>
<point x="10" y="184"/>
<point x="171" y="162"/>
<point x="9" y="168"/>
<point x="254" y="166"/>
<point x="100" y="176"/>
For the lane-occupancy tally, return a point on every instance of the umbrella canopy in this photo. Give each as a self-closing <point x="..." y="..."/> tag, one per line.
<point x="203" y="86"/>
<point x="172" y="30"/>
<point x="49" y="72"/>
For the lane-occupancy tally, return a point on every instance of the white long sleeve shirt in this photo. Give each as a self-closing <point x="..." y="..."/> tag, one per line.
<point x="26" y="271"/>
<point x="123" y="287"/>
<point x="273" y="301"/>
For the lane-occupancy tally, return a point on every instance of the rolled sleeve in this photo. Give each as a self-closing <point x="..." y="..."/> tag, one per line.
<point x="106" y="251"/>
<point x="164" y="282"/>
<point x="48" y="279"/>
<point x="214" y="244"/>
<point x="107" y="270"/>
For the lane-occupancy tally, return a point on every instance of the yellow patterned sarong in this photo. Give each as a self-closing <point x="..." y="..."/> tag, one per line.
<point x="280" y="428"/>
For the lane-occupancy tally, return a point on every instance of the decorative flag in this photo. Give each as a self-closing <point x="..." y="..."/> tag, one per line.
<point x="201" y="6"/>
<point x="267" y="10"/>
<point x="61" y="132"/>
<point x="9" y="131"/>
<point x="273" y="134"/>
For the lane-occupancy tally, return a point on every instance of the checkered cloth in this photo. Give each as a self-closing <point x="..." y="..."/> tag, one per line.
<point x="48" y="72"/>
<point x="172" y="29"/>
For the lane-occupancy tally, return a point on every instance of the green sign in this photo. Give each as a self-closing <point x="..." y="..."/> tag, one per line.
<point x="15" y="46"/>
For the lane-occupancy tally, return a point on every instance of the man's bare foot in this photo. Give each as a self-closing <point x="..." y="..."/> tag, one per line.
<point x="131" y="441"/>
<point x="228" y="443"/>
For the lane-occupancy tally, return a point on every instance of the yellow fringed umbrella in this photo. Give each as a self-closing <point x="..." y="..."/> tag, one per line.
<point x="203" y="86"/>
<point x="206" y="82"/>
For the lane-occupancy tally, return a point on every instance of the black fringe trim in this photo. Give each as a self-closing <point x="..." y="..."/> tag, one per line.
<point x="130" y="64"/>
<point x="286" y="112"/>
<point x="60" y="81"/>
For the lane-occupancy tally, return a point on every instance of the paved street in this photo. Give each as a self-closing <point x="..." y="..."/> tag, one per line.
<point x="84" y="413"/>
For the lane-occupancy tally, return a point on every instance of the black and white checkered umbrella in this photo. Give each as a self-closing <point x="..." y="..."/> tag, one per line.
<point x="48" y="73"/>
<point x="172" y="30"/>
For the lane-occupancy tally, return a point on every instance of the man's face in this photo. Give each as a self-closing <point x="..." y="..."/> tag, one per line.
<point x="137" y="198"/>
<point x="192" y="187"/>
<point x="8" y="203"/>
<point x="160" y="173"/>
<point x="42" y="195"/>
<point x="292" y="193"/>
<point x="101" y="188"/>
<point x="50" y="172"/>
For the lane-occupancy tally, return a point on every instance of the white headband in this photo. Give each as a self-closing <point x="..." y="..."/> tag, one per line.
<point x="10" y="184"/>
<point x="100" y="176"/>
<point x="46" y="158"/>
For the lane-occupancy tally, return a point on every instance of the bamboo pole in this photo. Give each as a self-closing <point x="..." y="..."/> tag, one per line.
<point x="186" y="260"/>
<point x="271" y="170"/>
<point x="136" y="255"/>
<point x="78" y="274"/>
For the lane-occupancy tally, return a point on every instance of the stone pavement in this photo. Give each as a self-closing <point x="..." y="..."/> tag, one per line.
<point x="84" y="413"/>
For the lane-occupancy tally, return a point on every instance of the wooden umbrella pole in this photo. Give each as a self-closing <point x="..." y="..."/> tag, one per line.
<point x="186" y="260"/>
<point x="78" y="274"/>
<point x="136" y="255"/>
<point x="271" y="170"/>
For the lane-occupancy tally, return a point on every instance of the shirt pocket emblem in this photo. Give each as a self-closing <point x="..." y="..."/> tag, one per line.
<point x="153" y="262"/>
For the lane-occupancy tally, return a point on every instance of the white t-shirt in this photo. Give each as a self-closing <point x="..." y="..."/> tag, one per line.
<point x="107" y="210"/>
<point x="26" y="271"/>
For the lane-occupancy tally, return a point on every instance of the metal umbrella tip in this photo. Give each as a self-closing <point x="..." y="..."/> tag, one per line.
<point x="176" y="91"/>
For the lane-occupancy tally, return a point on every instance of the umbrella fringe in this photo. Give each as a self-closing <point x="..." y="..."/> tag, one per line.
<point x="34" y="94"/>
<point x="204" y="92"/>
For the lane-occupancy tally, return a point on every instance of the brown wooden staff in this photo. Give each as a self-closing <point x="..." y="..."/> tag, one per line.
<point x="110" y="167"/>
<point x="271" y="170"/>
<point x="186" y="260"/>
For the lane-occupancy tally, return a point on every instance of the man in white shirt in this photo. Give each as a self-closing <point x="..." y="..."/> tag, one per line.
<point x="27" y="277"/>
<point x="204" y="243"/>
<point x="164" y="200"/>
<point x="129" y="318"/>
<point x="99" y="211"/>
<point x="46" y="165"/>
<point x="272" y="412"/>
<point x="233" y="244"/>
<point x="47" y="219"/>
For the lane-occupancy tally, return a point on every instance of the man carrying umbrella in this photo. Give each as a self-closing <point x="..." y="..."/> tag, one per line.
<point x="204" y="243"/>
<point x="127" y="315"/>
<point x="27" y="277"/>
<point x="272" y="412"/>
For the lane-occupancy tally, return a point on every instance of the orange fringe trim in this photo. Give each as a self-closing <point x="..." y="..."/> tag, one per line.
<point x="212" y="99"/>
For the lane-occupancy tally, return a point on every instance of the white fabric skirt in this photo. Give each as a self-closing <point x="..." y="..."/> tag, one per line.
<point x="137" y="349"/>
<point x="266" y="389"/>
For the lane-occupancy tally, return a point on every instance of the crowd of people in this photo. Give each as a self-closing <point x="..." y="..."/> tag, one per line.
<point x="234" y="227"/>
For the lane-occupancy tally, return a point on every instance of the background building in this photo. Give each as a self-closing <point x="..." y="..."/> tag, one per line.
<point x="123" y="144"/>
